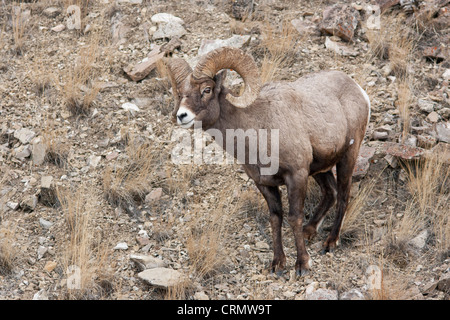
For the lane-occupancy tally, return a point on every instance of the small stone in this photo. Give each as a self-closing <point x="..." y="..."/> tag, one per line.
<point x="446" y="74"/>
<point x="58" y="28"/>
<point x="38" y="152"/>
<point x="46" y="181"/>
<point x="50" y="266"/>
<point x="341" y="49"/>
<point x="154" y="195"/>
<point x="443" y="131"/>
<point x="94" y="161"/>
<point x="45" y="224"/>
<point x="41" y="252"/>
<point x="433" y="117"/>
<point x="130" y="107"/>
<point x="40" y="295"/>
<point x="144" y="262"/>
<point x="51" y="12"/>
<point x="352" y="294"/>
<point x="420" y="240"/>
<point x="24" y="135"/>
<point x="380" y="135"/>
<point x="201" y="295"/>
<point x="29" y="203"/>
<point x="322" y="294"/>
<point x="121" y="246"/>
<point x="12" y="205"/>
<point x="425" y="105"/>
<point x="162" y="277"/>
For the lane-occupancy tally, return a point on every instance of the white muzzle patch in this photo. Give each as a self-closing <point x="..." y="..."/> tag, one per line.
<point x="185" y="117"/>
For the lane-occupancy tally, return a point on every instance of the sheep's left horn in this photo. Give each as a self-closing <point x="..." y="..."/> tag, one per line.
<point x="239" y="61"/>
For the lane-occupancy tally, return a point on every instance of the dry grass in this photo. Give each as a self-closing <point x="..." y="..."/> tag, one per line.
<point x="395" y="41"/>
<point x="57" y="149"/>
<point x="84" y="260"/>
<point x="80" y="89"/>
<point x="127" y="183"/>
<point x="428" y="206"/>
<point x="279" y="49"/>
<point x="20" y="25"/>
<point x="7" y="251"/>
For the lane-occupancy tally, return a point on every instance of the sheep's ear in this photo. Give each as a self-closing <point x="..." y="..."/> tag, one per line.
<point x="219" y="79"/>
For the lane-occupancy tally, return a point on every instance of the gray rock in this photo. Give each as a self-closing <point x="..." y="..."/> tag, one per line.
<point x="144" y="262"/>
<point x="339" y="48"/>
<point x="443" y="131"/>
<point x="169" y="26"/>
<point x="51" y="12"/>
<point x="162" y="277"/>
<point x="235" y="41"/>
<point x="12" y="205"/>
<point x="420" y="240"/>
<point x="41" y="252"/>
<point x="24" y="135"/>
<point x="340" y="20"/>
<point x="45" y="224"/>
<point x="38" y="152"/>
<point x="353" y="294"/>
<point x="29" y="203"/>
<point x="121" y="246"/>
<point x="322" y="294"/>
<point x="444" y="283"/>
<point x="22" y="152"/>
<point x="426" y="106"/>
<point x="40" y="295"/>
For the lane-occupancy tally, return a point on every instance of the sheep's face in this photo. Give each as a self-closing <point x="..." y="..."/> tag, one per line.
<point x="199" y="101"/>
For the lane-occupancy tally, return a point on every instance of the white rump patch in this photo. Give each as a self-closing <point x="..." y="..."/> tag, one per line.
<point x="366" y="97"/>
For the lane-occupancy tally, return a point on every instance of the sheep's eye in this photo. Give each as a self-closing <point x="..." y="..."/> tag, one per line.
<point x="206" y="90"/>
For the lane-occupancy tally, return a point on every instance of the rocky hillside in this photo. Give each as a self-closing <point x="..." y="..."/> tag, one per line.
<point x="93" y="207"/>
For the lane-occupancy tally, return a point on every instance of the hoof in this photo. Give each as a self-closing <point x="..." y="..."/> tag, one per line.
<point x="302" y="272"/>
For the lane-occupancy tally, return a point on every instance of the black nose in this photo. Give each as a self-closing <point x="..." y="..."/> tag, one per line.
<point x="181" y="116"/>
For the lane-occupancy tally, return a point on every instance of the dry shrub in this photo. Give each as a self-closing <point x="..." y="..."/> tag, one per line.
<point x="84" y="260"/>
<point x="279" y="49"/>
<point x="7" y="251"/>
<point x="80" y="89"/>
<point x="57" y="150"/>
<point x="126" y="183"/>
<point x="20" y="26"/>
<point x="353" y="224"/>
<point x="208" y="236"/>
<point x="428" y="207"/>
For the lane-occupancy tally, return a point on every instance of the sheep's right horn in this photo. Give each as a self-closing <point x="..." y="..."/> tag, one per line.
<point x="178" y="69"/>
<point x="239" y="61"/>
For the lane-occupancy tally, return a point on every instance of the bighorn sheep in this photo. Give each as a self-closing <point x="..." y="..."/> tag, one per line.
<point x="321" y="118"/>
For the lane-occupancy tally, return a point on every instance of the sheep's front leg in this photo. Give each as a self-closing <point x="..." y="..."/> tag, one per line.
<point x="273" y="199"/>
<point x="296" y="187"/>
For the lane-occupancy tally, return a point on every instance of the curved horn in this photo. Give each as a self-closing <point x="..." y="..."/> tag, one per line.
<point x="239" y="61"/>
<point x="178" y="69"/>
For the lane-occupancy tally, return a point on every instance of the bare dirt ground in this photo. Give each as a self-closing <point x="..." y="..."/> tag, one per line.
<point x="87" y="185"/>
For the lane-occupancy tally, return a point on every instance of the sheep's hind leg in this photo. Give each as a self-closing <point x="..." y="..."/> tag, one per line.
<point x="296" y="187"/>
<point x="273" y="199"/>
<point x="327" y="184"/>
<point x="344" y="169"/>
